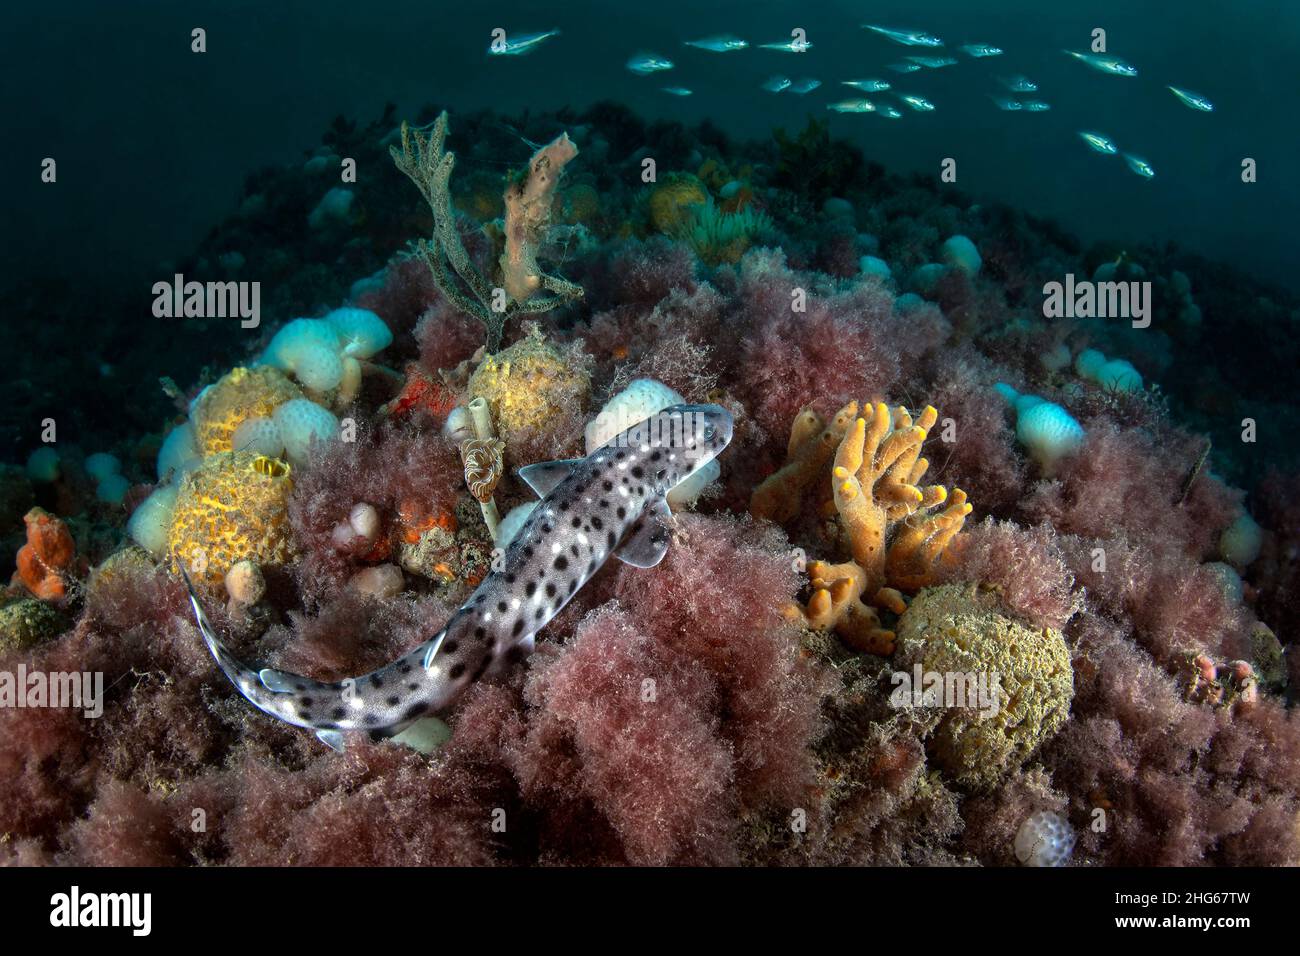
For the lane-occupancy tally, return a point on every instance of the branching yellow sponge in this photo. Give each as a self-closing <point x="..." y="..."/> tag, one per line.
<point x="241" y="394"/>
<point x="999" y="687"/>
<point x="233" y="506"/>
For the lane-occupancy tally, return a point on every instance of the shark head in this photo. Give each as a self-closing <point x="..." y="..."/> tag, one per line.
<point x="673" y="444"/>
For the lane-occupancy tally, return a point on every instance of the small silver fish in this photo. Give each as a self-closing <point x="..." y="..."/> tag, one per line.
<point x="643" y="64"/>
<point x="904" y="67"/>
<point x="804" y="86"/>
<point x="1139" y="166"/>
<point x="918" y="103"/>
<point x="905" y="37"/>
<point x="518" y="46"/>
<point x="931" y="62"/>
<point x="980" y="49"/>
<point x="852" y="106"/>
<point x="1105" y="64"/>
<point x="1018" y="84"/>
<point x="888" y="112"/>
<point x="789" y="46"/>
<point x="1036" y="106"/>
<point x="676" y="90"/>
<point x="722" y="43"/>
<point x="1008" y="103"/>
<point x="775" y="84"/>
<point x="1101" y="144"/>
<point x="1195" y="100"/>
<point x="868" y="86"/>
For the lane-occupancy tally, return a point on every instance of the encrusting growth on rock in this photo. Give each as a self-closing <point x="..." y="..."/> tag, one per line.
<point x="45" y="562"/>
<point x="424" y="158"/>
<point x="885" y="516"/>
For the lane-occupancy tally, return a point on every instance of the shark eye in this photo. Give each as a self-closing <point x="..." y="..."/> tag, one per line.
<point x="709" y="432"/>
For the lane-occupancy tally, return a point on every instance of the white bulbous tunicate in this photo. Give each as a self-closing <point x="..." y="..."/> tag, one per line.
<point x="1241" y="541"/>
<point x="319" y="368"/>
<point x="426" y="735"/>
<point x="875" y="266"/>
<point x="960" y="253"/>
<point x="641" y="399"/>
<point x="179" y="452"/>
<point x="1049" y="433"/>
<point x="1055" y="358"/>
<point x="334" y="206"/>
<point x="1228" y="579"/>
<point x="245" y="583"/>
<point x="364" y="520"/>
<point x="302" y="422"/>
<point x="1044" y="839"/>
<point x="1119" y="375"/>
<point x="43" y="465"/>
<point x="297" y="337"/>
<point x="1089" y="363"/>
<point x="371" y="283"/>
<point x="150" y="522"/>
<point x="926" y="276"/>
<point x="261" y="436"/>
<point x="361" y="332"/>
<point x="112" y="489"/>
<point x="459" y="427"/>
<point x="101" y="464"/>
<point x="382" y="581"/>
<point x="509" y="527"/>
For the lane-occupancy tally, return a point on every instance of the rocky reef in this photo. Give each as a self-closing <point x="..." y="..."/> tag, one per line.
<point x="902" y="513"/>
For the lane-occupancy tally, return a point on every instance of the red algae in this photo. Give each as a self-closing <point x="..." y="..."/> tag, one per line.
<point x="676" y="714"/>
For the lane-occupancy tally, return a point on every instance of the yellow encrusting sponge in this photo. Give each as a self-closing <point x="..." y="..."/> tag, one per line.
<point x="241" y="394"/>
<point x="234" y="506"/>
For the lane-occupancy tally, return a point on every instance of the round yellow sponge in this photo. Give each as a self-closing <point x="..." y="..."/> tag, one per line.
<point x="959" y="636"/>
<point x="240" y="394"/>
<point x="233" y="506"/>
<point x="528" y="384"/>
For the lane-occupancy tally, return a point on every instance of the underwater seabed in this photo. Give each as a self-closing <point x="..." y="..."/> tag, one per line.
<point x="964" y="583"/>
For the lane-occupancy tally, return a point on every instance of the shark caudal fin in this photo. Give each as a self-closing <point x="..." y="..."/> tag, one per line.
<point x="269" y="690"/>
<point x="230" y="665"/>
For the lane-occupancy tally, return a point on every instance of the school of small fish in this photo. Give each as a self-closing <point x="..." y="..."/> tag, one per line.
<point x="1014" y="100"/>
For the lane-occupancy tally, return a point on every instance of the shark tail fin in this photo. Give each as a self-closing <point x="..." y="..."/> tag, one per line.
<point x="267" y="689"/>
<point x="233" y="668"/>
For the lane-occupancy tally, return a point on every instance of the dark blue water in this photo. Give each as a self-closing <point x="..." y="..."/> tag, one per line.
<point x="153" y="141"/>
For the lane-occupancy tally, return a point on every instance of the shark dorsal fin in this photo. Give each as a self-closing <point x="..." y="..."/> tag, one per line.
<point x="646" y="542"/>
<point x="543" y="476"/>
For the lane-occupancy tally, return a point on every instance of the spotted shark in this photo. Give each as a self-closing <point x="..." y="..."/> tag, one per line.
<point x="610" y="504"/>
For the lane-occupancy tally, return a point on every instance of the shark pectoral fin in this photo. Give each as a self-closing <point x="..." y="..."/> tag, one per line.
<point x="278" y="682"/>
<point x="331" y="738"/>
<point x="543" y="476"/>
<point x="647" y="541"/>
